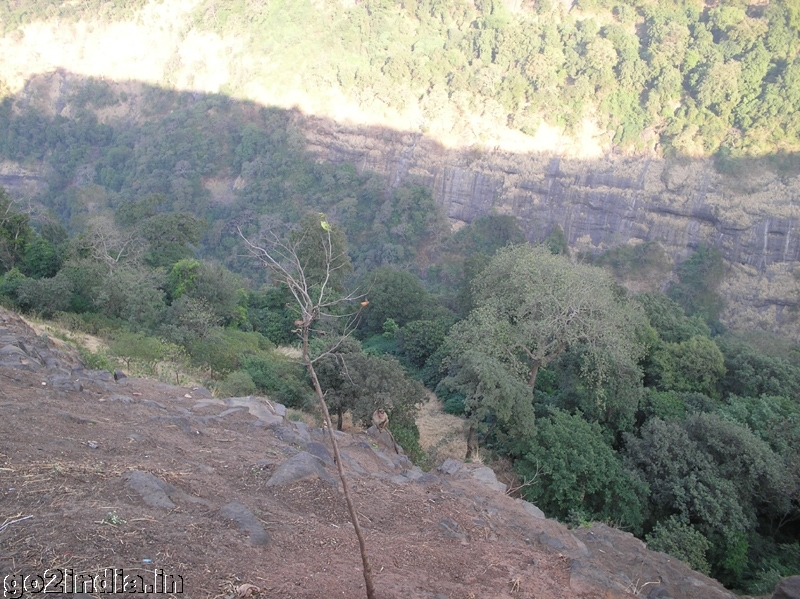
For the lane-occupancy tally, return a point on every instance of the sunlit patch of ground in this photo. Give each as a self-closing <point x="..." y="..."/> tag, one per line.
<point x="441" y="435"/>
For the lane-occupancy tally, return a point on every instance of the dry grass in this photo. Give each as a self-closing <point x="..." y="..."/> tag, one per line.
<point x="58" y="333"/>
<point x="440" y="434"/>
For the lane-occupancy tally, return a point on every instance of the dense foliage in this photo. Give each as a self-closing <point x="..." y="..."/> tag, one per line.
<point x="638" y="410"/>
<point x="700" y="78"/>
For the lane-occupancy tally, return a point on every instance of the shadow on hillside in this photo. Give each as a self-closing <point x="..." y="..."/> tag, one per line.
<point x="82" y="144"/>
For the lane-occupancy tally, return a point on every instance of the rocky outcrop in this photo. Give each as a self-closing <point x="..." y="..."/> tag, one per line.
<point x="599" y="204"/>
<point x="751" y="215"/>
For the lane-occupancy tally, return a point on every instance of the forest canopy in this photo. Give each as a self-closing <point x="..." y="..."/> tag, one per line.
<point x="683" y="77"/>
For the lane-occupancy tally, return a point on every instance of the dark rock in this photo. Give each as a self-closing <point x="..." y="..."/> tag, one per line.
<point x="181" y="422"/>
<point x="428" y="478"/>
<point x="788" y="588"/>
<point x="122" y="398"/>
<point x="153" y="403"/>
<point x="385" y="439"/>
<point x="586" y="578"/>
<point x="288" y="434"/>
<point x="238" y="512"/>
<point x="451" y="529"/>
<point x="320" y="451"/>
<point x="99" y="375"/>
<point x="65" y="383"/>
<point x="119" y="375"/>
<point x="450" y="466"/>
<point x="531" y="509"/>
<point x="553" y="542"/>
<point x="300" y="466"/>
<point x="154" y="491"/>
<point x="352" y="463"/>
<point x="487" y="476"/>
<point x="158" y="493"/>
<point x="659" y="592"/>
<point x="76" y="419"/>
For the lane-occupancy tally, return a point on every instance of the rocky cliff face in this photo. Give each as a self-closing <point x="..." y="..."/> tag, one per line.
<point x="751" y="216"/>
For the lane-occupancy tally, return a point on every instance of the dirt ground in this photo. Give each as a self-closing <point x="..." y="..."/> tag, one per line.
<point x="137" y="478"/>
<point x="64" y="505"/>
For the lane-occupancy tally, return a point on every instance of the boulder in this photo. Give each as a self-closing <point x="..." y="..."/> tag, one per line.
<point x="788" y="588"/>
<point x="247" y="522"/>
<point x="300" y="466"/>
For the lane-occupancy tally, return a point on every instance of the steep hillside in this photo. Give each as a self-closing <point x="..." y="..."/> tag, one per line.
<point x="579" y="75"/>
<point x="170" y="484"/>
<point x="81" y="145"/>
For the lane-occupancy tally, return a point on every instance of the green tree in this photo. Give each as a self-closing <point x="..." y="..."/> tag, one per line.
<point x="215" y="287"/>
<point x="714" y="475"/>
<point x="557" y="241"/>
<point x="395" y="294"/>
<point x="171" y="237"/>
<point x="44" y="296"/>
<point x="138" y="347"/>
<point x="693" y="366"/>
<point x="680" y="540"/>
<point x="699" y="278"/>
<point x="359" y="383"/>
<point x="575" y="470"/>
<point x="669" y="320"/>
<point x="419" y="339"/>
<point x="533" y="305"/>
<point x="42" y="259"/>
<point x="496" y="402"/>
<point x="312" y="239"/>
<point x="132" y="294"/>
<point x="15" y="233"/>
<point x="267" y="313"/>
<point x="487" y="234"/>
<point x="752" y="373"/>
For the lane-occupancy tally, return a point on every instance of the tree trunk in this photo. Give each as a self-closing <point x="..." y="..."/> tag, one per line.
<point x="370" y="587"/>
<point x="339" y="418"/>
<point x="534" y="373"/>
<point x="471" y="445"/>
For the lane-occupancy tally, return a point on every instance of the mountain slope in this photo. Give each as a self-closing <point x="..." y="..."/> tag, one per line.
<point x="150" y="478"/>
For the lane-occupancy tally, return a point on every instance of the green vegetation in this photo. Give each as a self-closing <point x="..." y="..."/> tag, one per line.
<point x="721" y="79"/>
<point x="615" y="407"/>
<point x="639" y="410"/>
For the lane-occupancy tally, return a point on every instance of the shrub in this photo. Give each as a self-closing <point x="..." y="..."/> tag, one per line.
<point x="236" y="384"/>
<point x="682" y="541"/>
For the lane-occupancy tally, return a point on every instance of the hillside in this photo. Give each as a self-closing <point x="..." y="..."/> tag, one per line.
<point x="523" y="76"/>
<point x="150" y="478"/>
<point x="174" y="169"/>
<point x="597" y="117"/>
<point x="83" y="146"/>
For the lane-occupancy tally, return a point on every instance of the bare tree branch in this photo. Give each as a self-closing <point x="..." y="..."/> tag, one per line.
<point x="314" y="301"/>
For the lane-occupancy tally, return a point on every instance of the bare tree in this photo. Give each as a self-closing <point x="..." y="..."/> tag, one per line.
<point x="109" y="245"/>
<point x="312" y="281"/>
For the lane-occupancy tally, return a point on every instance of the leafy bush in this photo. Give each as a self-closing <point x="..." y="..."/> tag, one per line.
<point x="575" y="469"/>
<point x="680" y="540"/>
<point x="137" y="347"/>
<point x="224" y="350"/>
<point x="279" y="378"/>
<point x="236" y="384"/>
